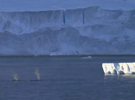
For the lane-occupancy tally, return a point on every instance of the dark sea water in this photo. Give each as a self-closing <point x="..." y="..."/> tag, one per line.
<point x="63" y="78"/>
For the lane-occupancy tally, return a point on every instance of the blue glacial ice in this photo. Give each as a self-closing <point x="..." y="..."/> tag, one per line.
<point x="78" y="31"/>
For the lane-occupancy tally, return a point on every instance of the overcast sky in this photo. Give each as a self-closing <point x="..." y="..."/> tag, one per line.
<point x="38" y="5"/>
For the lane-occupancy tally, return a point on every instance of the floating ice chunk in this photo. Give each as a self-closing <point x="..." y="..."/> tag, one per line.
<point x="88" y="57"/>
<point x="109" y="68"/>
<point x="118" y="68"/>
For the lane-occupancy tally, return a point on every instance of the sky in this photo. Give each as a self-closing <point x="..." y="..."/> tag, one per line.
<point x="42" y="5"/>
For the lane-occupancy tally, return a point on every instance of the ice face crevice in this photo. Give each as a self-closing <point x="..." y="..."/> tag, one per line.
<point x="89" y="30"/>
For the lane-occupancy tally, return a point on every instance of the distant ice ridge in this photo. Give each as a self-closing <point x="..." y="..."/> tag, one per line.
<point x="80" y="31"/>
<point x="119" y="68"/>
<point x="42" y="5"/>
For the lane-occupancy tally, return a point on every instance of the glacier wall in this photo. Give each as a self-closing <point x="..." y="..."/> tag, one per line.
<point x="90" y="30"/>
<point x="119" y="68"/>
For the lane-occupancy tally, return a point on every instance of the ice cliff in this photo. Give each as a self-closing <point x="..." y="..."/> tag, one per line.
<point x="91" y="30"/>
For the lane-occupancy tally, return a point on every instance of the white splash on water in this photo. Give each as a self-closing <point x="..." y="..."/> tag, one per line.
<point x="15" y="76"/>
<point x="37" y="74"/>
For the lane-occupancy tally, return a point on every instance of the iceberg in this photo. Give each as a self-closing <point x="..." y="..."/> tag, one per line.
<point x="87" y="57"/>
<point x="119" y="68"/>
<point x="80" y="31"/>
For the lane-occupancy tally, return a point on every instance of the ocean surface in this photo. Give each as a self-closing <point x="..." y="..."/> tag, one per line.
<point x="63" y="78"/>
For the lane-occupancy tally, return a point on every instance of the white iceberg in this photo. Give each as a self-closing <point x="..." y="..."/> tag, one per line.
<point x="87" y="57"/>
<point x="119" y="68"/>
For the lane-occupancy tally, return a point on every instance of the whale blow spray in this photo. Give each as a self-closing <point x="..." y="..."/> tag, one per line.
<point x="37" y="74"/>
